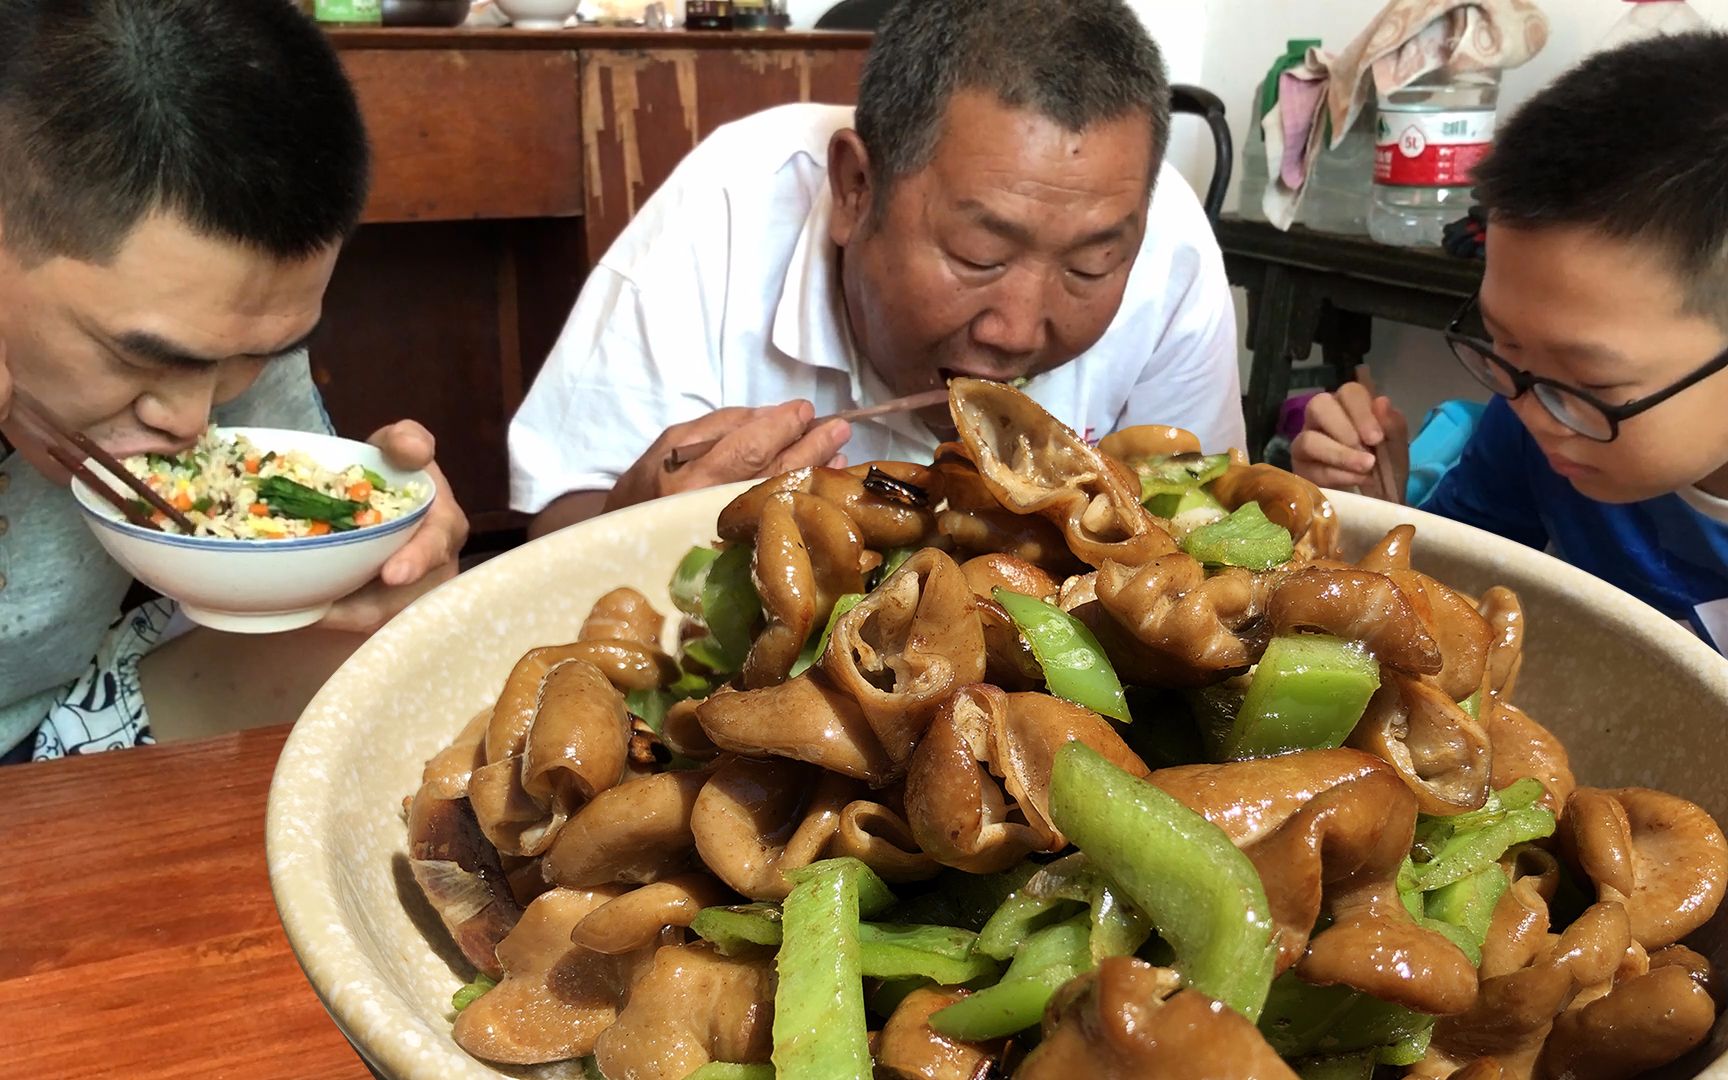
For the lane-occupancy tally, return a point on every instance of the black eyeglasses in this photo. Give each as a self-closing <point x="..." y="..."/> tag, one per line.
<point x="1582" y="412"/>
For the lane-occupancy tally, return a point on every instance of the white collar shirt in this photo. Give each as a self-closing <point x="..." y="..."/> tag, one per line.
<point x="724" y="291"/>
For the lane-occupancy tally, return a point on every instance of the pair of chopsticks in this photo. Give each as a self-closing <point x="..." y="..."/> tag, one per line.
<point x="71" y="449"/>
<point x="1385" y="472"/>
<point x="684" y="455"/>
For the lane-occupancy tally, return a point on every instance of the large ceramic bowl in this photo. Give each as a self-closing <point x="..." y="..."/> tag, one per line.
<point x="262" y="586"/>
<point x="1637" y="699"/>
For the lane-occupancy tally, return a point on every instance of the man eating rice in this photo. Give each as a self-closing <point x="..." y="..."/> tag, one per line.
<point x="176" y="179"/>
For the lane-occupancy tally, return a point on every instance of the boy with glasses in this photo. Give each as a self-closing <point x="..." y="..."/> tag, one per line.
<point x="1602" y="329"/>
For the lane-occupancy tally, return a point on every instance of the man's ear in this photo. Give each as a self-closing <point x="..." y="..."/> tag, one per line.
<point x="852" y="183"/>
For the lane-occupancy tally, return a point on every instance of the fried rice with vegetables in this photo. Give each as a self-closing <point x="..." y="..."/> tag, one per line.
<point x="232" y="489"/>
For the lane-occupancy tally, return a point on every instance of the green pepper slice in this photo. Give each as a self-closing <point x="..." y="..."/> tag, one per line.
<point x="472" y="991"/>
<point x="1075" y="667"/>
<point x="1246" y="538"/>
<point x="1307" y="693"/>
<point x="1166" y="474"/>
<point x="1180" y="870"/>
<point x="730" y="605"/>
<point x="819" y="1027"/>
<point x="726" y="1070"/>
<point x="1044" y="962"/>
<point x="689" y="577"/>
<point x="816" y="646"/>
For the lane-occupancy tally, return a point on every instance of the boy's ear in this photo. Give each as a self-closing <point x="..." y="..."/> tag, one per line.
<point x="852" y="184"/>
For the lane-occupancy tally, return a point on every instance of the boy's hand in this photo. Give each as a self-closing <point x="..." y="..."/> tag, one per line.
<point x="1340" y="437"/>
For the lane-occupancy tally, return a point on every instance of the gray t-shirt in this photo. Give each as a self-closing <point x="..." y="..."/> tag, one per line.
<point x="59" y="591"/>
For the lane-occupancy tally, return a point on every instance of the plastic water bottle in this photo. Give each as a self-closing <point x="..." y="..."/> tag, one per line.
<point x="1428" y="138"/>
<point x="1341" y="185"/>
<point x="1653" y="18"/>
<point x="1256" y="170"/>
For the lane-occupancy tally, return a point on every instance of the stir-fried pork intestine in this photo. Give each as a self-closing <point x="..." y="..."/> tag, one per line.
<point x="972" y="523"/>
<point x="635" y="833"/>
<point x="559" y="735"/>
<point x="908" y="1049"/>
<point x="804" y="719"/>
<point x="1034" y="465"/>
<point x="1191" y="627"/>
<point x="568" y="848"/>
<point x="883" y="522"/>
<point x="986" y="573"/>
<point x="1390" y="552"/>
<point x="1645" y="1021"/>
<point x="1328" y="830"/>
<point x="1008" y="658"/>
<point x="755" y="819"/>
<point x="1462" y="634"/>
<point x="1515" y="1012"/>
<point x="1149" y="440"/>
<point x="1441" y="752"/>
<point x="1287" y="499"/>
<point x="682" y="732"/>
<point x="983" y="532"/>
<point x="555" y="999"/>
<point x="1696" y="965"/>
<point x="1129" y="1020"/>
<point x="906" y="648"/>
<point x="808" y="555"/>
<point x="635" y="920"/>
<point x="1522" y="747"/>
<point x="1355" y="605"/>
<point x="461" y="875"/>
<point x="447" y="772"/>
<point x="880" y="837"/>
<point x="965" y="817"/>
<point x="1661" y="856"/>
<point x="623" y="615"/>
<point x="1505" y="615"/>
<point x="692" y="1007"/>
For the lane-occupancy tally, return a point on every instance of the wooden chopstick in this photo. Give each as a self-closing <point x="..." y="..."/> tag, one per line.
<point x="1385" y="472"/>
<point x="70" y="448"/>
<point x="684" y="455"/>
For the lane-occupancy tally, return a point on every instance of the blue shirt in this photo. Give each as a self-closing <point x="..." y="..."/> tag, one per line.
<point x="1662" y="551"/>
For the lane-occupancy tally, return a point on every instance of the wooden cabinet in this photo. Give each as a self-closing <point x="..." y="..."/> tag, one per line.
<point x="504" y="163"/>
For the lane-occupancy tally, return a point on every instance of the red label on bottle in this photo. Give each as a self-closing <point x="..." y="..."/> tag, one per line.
<point x="1430" y="149"/>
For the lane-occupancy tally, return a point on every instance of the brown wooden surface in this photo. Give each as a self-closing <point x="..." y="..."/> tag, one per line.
<point x="643" y="110"/>
<point x="138" y="937"/>
<point x="469" y="134"/>
<point x="591" y="38"/>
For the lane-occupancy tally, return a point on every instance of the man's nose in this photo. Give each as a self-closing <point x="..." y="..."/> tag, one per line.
<point x="1015" y="321"/>
<point x="179" y="407"/>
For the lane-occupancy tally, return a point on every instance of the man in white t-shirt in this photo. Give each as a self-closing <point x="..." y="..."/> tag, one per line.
<point x="997" y="205"/>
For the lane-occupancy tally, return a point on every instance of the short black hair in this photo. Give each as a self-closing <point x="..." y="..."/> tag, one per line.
<point x="1075" y="62"/>
<point x="232" y="114"/>
<point x="1632" y="142"/>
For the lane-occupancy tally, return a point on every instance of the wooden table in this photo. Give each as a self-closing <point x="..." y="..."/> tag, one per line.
<point x="1307" y="288"/>
<point x="505" y="162"/>
<point x="138" y="938"/>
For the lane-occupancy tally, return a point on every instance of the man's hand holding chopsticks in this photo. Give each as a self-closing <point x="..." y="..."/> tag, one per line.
<point x="749" y="444"/>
